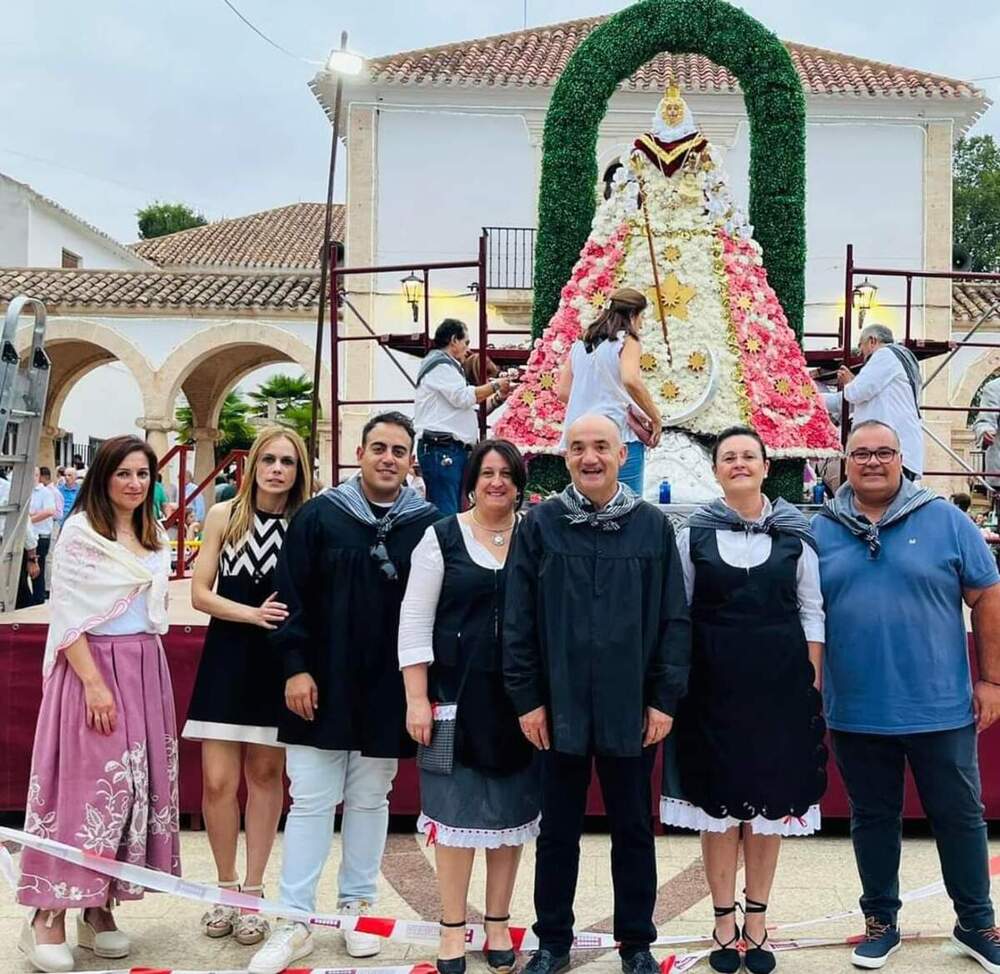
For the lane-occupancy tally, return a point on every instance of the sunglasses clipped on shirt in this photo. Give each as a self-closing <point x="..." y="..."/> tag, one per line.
<point x="380" y="553"/>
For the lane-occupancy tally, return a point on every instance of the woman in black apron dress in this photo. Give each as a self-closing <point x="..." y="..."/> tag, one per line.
<point x="478" y="777"/>
<point x="746" y="757"/>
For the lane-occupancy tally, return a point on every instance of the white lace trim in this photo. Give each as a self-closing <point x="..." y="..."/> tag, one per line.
<point x="451" y="835"/>
<point x="674" y="811"/>
<point x="444" y="711"/>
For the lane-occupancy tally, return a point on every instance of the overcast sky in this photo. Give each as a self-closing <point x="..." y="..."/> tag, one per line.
<point x="107" y="106"/>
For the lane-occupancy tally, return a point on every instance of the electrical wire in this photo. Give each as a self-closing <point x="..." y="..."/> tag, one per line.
<point x="263" y="36"/>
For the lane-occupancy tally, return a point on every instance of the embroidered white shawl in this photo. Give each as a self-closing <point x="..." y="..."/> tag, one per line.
<point x="95" y="580"/>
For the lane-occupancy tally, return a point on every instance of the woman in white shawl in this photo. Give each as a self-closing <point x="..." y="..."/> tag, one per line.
<point x="104" y="763"/>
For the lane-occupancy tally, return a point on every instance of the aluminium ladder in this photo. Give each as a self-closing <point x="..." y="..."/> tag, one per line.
<point x="23" y="389"/>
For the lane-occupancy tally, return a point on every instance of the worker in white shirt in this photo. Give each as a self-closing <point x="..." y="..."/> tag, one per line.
<point x="445" y="414"/>
<point x="42" y="511"/>
<point x="987" y="427"/>
<point x="887" y="389"/>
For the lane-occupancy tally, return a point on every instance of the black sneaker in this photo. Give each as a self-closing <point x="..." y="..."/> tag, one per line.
<point x="545" y="962"/>
<point x="981" y="945"/>
<point x="641" y="962"/>
<point x="880" y="942"/>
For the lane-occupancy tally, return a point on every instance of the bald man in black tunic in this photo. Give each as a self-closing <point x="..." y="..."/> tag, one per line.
<point x="597" y="645"/>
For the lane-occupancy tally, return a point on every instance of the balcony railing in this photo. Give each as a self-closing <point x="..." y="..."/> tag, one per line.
<point x="510" y="258"/>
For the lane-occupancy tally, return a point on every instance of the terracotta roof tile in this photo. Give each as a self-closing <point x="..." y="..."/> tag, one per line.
<point x="288" y="237"/>
<point x="537" y="56"/>
<point x="970" y="299"/>
<point x="62" y="290"/>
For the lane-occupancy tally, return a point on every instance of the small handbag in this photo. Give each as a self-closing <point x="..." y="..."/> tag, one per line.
<point x="438" y="757"/>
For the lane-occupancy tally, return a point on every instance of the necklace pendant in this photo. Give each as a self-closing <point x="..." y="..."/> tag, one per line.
<point x="499" y="540"/>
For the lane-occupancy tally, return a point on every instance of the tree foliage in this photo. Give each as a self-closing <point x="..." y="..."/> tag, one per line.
<point x="976" y="201"/>
<point x="293" y="399"/>
<point x="159" y="219"/>
<point x="237" y="433"/>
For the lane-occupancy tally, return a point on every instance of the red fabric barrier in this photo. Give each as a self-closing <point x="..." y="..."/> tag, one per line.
<point x="22" y="648"/>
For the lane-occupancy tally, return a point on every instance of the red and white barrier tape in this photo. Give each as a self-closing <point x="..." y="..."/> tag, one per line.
<point x="403" y="931"/>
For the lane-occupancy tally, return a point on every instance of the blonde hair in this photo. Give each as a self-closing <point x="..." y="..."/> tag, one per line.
<point x="244" y="504"/>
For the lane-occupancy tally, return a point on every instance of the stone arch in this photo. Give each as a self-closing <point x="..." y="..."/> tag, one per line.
<point x="245" y="346"/>
<point x="775" y="106"/>
<point x="76" y="347"/>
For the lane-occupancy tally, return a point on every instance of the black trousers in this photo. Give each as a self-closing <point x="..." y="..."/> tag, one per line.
<point x="625" y="784"/>
<point x="945" y="768"/>
<point x="38" y="585"/>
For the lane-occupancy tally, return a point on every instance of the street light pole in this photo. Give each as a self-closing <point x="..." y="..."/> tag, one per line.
<point x="324" y="264"/>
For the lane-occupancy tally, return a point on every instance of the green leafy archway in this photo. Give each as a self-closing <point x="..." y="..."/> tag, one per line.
<point x="774" y="102"/>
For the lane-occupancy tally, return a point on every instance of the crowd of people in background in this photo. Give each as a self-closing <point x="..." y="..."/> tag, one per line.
<point x="514" y="649"/>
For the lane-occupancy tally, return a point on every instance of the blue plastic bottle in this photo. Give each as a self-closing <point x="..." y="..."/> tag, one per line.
<point x="664" y="491"/>
<point x="819" y="493"/>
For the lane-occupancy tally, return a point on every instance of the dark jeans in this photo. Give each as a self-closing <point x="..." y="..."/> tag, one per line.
<point x="38" y="585"/>
<point x="625" y="784"/>
<point x="443" y="467"/>
<point x="945" y="768"/>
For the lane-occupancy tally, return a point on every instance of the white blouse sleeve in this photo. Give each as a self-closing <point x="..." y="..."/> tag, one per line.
<point x="810" y="596"/>
<point x="687" y="568"/>
<point x="416" y="615"/>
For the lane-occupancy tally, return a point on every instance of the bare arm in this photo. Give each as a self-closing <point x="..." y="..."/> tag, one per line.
<point x="816" y="658"/>
<point x="632" y="380"/>
<point x="565" y="382"/>
<point x="206" y="568"/>
<point x="419" y="717"/>
<point x="985" y="605"/>
<point x="101" y="712"/>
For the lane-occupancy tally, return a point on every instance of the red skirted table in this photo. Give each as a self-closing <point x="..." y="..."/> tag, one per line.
<point x="22" y="647"/>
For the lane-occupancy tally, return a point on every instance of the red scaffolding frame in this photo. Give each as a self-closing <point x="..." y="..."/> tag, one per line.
<point x="418" y="343"/>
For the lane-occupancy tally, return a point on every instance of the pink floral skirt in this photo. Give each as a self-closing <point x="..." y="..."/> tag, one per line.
<point x="115" y="795"/>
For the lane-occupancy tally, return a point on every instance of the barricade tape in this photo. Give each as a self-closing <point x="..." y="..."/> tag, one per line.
<point x="403" y="931"/>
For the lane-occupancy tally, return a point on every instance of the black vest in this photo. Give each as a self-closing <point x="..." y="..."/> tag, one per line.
<point x="468" y="665"/>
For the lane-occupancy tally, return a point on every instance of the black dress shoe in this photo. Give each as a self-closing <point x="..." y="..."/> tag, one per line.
<point x="640" y="962"/>
<point x="545" y="962"/>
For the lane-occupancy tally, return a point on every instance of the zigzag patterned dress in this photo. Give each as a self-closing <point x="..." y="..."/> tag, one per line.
<point x="239" y="691"/>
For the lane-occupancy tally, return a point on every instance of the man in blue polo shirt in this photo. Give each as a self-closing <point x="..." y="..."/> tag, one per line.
<point x="896" y="562"/>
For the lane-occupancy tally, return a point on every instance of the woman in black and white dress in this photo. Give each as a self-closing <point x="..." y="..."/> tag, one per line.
<point x="450" y="655"/>
<point x="746" y="760"/>
<point x="238" y="692"/>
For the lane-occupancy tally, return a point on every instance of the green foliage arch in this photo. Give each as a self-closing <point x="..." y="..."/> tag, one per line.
<point x="775" y="106"/>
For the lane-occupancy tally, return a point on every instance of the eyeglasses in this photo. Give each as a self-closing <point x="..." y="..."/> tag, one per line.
<point x="883" y="454"/>
<point x="380" y="553"/>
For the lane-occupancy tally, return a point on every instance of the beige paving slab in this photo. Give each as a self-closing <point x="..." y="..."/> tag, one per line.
<point x="816" y="876"/>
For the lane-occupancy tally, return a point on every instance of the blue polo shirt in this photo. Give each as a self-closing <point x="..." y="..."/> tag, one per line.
<point x="896" y="658"/>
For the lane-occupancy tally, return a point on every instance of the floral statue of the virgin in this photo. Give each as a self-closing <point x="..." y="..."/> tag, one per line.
<point x="717" y="348"/>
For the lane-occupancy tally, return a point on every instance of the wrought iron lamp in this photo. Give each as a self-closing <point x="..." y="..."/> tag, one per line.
<point x="412" y="293"/>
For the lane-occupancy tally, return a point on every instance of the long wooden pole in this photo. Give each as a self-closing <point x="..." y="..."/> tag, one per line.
<point x="656" y="274"/>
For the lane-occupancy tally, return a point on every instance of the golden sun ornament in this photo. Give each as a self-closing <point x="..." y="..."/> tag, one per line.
<point x="669" y="390"/>
<point x="745" y="302"/>
<point x="753" y="345"/>
<point x="529" y="397"/>
<point x="598" y="299"/>
<point x="808" y="391"/>
<point x="672" y="253"/>
<point x="647" y="362"/>
<point x="546" y="380"/>
<point x="697" y="361"/>
<point x="783" y="386"/>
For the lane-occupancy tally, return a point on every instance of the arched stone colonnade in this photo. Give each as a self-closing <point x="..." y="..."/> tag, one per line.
<point x="205" y="366"/>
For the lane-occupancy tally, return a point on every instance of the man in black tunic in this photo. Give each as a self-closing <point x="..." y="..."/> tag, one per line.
<point x="597" y="645"/>
<point x="342" y="573"/>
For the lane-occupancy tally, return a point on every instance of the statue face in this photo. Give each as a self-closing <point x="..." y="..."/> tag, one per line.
<point x="673" y="112"/>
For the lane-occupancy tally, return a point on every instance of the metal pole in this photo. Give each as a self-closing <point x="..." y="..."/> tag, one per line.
<point x="947" y="449"/>
<point x="181" y="509"/>
<point x="325" y="257"/>
<point x="979" y="321"/>
<point x="335" y="371"/>
<point x="845" y="412"/>
<point x="483" y="331"/>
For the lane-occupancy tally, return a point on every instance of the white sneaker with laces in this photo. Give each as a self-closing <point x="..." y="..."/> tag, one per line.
<point x="289" y="942"/>
<point x="359" y="944"/>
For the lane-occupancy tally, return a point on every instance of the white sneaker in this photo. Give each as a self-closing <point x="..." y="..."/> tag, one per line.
<point x="289" y="942"/>
<point x="51" y="958"/>
<point x="359" y="944"/>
